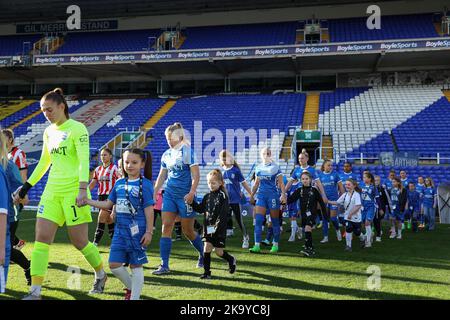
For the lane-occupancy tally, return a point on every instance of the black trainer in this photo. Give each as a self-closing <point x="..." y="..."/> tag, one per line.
<point x="206" y="276"/>
<point x="308" y="252"/>
<point x="233" y="266"/>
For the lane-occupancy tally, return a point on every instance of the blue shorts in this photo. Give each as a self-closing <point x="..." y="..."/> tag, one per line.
<point x="332" y="207"/>
<point x="125" y="250"/>
<point x="293" y="214"/>
<point x="272" y="202"/>
<point x="177" y="205"/>
<point x="368" y="214"/>
<point x="4" y="274"/>
<point x="399" y="216"/>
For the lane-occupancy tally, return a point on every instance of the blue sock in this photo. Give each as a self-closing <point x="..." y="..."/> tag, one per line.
<point x="276" y="230"/>
<point x="269" y="234"/>
<point x="335" y="222"/>
<point x="258" y="227"/>
<point x="165" y="246"/>
<point x="198" y="244"/>
<point x="325" y="228"/>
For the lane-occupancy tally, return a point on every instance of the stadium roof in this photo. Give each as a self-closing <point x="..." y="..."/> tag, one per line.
<point x="52" y="10"/>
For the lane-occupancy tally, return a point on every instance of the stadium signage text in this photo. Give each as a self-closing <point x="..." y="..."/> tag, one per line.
<point x="249" y="53"/>
<point x="62" y="26"/>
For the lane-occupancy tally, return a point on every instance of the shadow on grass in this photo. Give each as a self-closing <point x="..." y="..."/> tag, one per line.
<point x="256" y="264"/>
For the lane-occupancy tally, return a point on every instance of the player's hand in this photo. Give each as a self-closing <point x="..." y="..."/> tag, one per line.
<point x="252" y="201"/>
<point x="146" y="239"/>
<point x="283" y="199"/>
<point x="82" y="198"/>
<point x="15" y="195"/>
<point x="113" y="216"/>
<point x="189" y="198"/>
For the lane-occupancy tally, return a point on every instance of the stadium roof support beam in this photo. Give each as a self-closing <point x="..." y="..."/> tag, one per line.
<point x="296" y="65"/>
<point x="378" y="61"/>
<point x="221" y="69"/>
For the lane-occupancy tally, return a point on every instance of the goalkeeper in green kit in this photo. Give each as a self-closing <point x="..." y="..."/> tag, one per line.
<point x="66" y="150"/>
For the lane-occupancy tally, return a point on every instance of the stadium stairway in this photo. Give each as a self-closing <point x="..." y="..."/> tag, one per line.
<point x="446" y="94"/>
<point x="156" y="117"/>
<point x="285" y="152"/>
<point x="311" y="117"/>
<point x="159" y="114"/>
<point x="327" y="145"/>
<point x="8" y="109"/>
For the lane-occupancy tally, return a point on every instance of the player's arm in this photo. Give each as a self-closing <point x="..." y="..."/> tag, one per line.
<point x="81" y="142"/>
<point x="162" y="177"/>
<point x="94" y="181"/>
<point x="282" y="188"/>
<point x="41" y="168"/>
<point x="102" y="205"/>
<point x="149" y="218"/>
<point x="341" y="187"/>
<point x="321" y="189"/>
<point x="195" y="174"/>
<point x="247" y="187"/>
<point x="254" y="189"/>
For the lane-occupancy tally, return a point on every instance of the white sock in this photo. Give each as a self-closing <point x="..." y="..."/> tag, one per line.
<point x="100" y="274"/>
<point x="123" y="275"/>
<point x="275" y="244"/>
<point x="348" y="239"/>
<point x="362" y="237"/>
<point x="294" y="227"/>
<point x="36" y="290"/>
<point x="137" y="282"/>
<point x="368" y="233"/>
<point x="254" y="222"/>
<point x="399" y="232"/>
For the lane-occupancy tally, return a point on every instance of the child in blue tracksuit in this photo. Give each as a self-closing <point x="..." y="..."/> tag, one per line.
<point x="429" y="204"/>
<point x="133" y="200"/>
<point x="332" y="185"/>
<point x="420" y="187"/>
<point x="369" y="195"/>
<point x="398" y="201"/>
<point x="413" y="205"/>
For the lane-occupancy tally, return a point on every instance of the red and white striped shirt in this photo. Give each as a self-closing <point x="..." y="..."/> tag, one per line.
<point x="18" y="157"/>
<point x="106" y="177"/>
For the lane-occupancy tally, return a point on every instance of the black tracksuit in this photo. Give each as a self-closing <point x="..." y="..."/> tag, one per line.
<point x="309" y="198"/>
<point x="216" y="209"/>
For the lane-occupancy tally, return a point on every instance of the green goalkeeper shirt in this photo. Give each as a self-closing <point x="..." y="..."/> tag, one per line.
<point x="66" y="150"/>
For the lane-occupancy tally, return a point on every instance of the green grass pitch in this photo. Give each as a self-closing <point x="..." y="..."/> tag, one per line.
<point x="416" y="267"/>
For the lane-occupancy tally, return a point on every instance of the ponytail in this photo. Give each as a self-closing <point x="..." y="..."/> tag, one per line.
<point x="146" y="157"/>
<point x="57" y="96"/>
